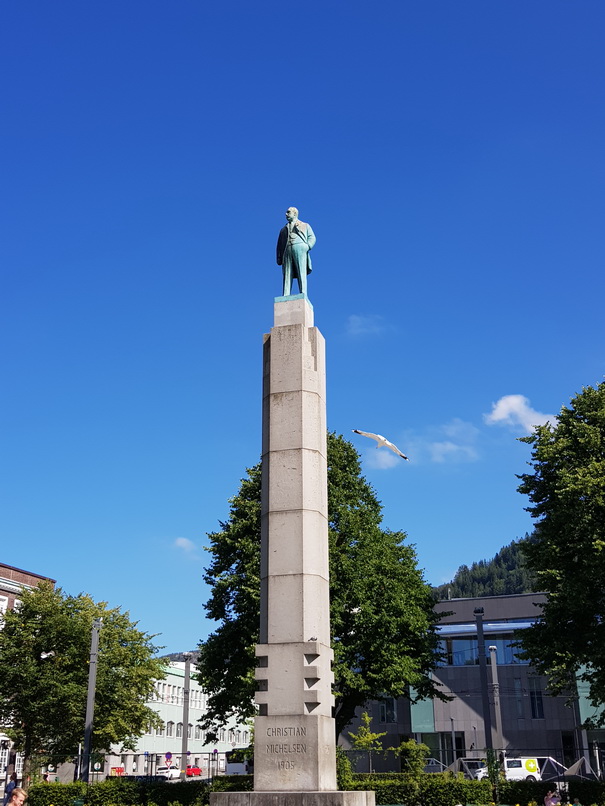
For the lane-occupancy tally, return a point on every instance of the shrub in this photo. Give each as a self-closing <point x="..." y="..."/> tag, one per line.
<point x="125" y="793"/>
<point x="344" y="770"/>
<point x="233" y="783"/>
<point x="57" y="794"/>
<point x="445" y="789"/>
<point x="389" y="787"/>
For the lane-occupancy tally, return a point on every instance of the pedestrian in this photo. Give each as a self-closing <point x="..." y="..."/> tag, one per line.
<point x="551" y="798"/>
<point x="12" y="783"/>
<point x="18" y="797"/>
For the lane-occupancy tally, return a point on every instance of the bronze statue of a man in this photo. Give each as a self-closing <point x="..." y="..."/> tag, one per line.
<point x="294" y="243"/>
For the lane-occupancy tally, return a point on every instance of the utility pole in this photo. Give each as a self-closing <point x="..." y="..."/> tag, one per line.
<point x="493" y="659"/>
<point x="453" y="729"/>
<point x="185" y="736"/>
<point x="487" y="719"/>
<point x="90" y="700"/>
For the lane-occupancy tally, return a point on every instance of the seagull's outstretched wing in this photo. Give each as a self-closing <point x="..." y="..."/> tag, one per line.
<point x="395" y="449"/>
<point x="377" y="437"/>
<point x="383" y="442"/>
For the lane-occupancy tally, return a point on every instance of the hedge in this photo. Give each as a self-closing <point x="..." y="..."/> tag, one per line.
<point x="114" y="792"/>
<point x="436" y="789"/>
<point x="428" y="790"/>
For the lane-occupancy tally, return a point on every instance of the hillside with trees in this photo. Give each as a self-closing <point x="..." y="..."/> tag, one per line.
<point x="505" y="573"/>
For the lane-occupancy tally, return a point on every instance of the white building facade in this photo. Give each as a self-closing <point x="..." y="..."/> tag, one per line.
<point x="159" y="747"/>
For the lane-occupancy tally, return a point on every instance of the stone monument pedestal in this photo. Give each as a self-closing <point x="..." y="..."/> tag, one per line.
<point x="335" y="798"/>
<point x="294" y="733"/>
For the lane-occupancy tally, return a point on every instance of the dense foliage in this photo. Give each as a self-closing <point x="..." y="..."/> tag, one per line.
<point x="383" y="624"/>
<point x="506" y="573"/>
<point x="44" y="662"/>
<point x="441" y="789"/>
<point x="123" y="792"/>
<point x="567" y="550"/>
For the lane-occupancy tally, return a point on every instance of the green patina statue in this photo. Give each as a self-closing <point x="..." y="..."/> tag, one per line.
<point x="294" y="243"/>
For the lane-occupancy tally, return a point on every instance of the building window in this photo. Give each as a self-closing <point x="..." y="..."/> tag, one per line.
<point x="388" y="710"/>
<point x="179" y="730"/>
<point x="506" y="651"/>
<point x="465" y="651"/>
<point x="459" y="651"/>
<point x="189" y="729"/>
<point x="169" y="728"/>
<point x="221" y="736"/>
<point x="198" y="732"/>
<point x="535" y="698"/>
<point x="161" y="731"/>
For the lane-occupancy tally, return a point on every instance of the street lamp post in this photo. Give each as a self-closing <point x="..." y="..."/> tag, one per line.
<point x="90" y="700"/>
<point x="453" y="728"/>
<point x="496" y="697"/>
<point x="185" y="736"/>
<point x="487" y="719"/>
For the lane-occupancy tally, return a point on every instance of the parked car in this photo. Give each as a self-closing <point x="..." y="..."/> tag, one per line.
<point x="168" y="772"/>
<point x="517" y="769"/>
<point x="193" y="771"/>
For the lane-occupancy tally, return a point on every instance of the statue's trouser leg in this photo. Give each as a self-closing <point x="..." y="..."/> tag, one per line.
<point x="287" y="274"/>
<point x="299" y="265"/>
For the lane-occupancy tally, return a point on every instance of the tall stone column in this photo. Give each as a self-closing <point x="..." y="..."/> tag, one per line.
<point x="294" y="735"/>
<point x="294" y="731"/>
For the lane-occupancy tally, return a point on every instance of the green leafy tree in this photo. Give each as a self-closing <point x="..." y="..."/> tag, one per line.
<point x="44" y="661"/>
<point x="566" y="553"/>
<point x="365" y="739"/>
<point x="383" y="624"/>
<point x="413" y="756"/>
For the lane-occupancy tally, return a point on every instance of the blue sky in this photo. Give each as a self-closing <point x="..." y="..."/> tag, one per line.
<point x="449" y="156"/>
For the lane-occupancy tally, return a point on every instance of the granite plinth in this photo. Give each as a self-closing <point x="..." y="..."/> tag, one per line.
<point x="335" y="798"/>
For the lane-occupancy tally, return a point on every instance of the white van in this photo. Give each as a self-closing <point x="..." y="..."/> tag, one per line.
<point x="525" y="768"/>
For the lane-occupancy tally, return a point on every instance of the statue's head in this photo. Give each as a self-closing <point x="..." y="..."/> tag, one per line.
<point x="291" y="213"/>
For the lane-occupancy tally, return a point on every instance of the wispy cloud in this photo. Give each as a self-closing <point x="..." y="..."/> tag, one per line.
<point x="371" y="325"/>
<point x="186" y="545"/>
<point x="453" y="442"/>
<point x="516" y="412"/>
<point x="382" y="459"/>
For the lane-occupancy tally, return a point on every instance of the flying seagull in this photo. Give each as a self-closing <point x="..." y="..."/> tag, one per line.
<point x="383" y="442"/>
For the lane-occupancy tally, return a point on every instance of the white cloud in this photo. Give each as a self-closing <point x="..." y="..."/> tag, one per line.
<point x="453" y="442"/>
<point x="372" y="325"/>
<point x="451" y="452"/>
<point x="382" y="459"/>
<point x="516" y="412"/>
<point x="186" y="545"/>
